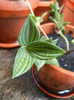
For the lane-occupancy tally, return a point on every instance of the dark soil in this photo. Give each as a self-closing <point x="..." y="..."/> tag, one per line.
<point x="66" y="61"/>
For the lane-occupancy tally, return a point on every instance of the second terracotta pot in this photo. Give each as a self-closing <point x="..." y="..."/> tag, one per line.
<point x="44" y="6"/>
<point x="68" y="11"/>
<point x="52" y="76"/>
<point x="12" y="17"/>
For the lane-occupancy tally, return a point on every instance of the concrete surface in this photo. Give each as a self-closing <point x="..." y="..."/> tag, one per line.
<point x="21" y="88"/>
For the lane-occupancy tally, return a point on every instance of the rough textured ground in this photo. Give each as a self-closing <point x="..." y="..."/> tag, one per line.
<point x="22" y="88"/>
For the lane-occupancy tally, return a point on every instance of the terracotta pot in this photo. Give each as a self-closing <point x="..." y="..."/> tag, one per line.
<point x="12" y="17"/>
<point x="61" y="2"/>
<point x="44" y="6"/>
<point x="52" y="76"/>
<point x="68" y="11"/>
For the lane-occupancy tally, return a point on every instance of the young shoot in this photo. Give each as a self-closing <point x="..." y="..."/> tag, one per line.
<point x="58" y="19"/>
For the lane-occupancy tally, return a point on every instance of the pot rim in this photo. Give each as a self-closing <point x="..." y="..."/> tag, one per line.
<point x="64" y="71"/>
<point x="68" y="27"/>
<point x="45" y="3"/>
<point x="9" y="45"/>
<point x="16" y="5"/>
<point x="22" y="5"/>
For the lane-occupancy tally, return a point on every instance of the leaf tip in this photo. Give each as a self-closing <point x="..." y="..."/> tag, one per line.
<point x="13" y="77"/>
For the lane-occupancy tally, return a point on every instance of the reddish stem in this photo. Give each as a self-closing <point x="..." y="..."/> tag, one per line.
<point x="69" y="51"/>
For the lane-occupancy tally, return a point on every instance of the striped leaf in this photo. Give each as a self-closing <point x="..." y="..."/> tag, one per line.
<point x="23" y="62"/>
<point x="44" y="50"/>
<point x="29" y="32"/>
<point x="39" y="63"/>
<point x="53" y="61"/>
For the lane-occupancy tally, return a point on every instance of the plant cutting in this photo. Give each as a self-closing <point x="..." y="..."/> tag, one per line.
<point x="42" y="52"/>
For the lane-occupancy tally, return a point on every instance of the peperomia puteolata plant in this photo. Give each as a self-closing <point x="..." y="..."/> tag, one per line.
<point x="35" y="50"/>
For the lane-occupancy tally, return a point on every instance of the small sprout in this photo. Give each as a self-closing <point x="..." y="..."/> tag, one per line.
<point x="58" y="19"/>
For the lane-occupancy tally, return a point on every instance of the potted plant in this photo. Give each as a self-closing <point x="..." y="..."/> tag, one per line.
<point x="42" y="52"/>
<point x="12" y="17"/>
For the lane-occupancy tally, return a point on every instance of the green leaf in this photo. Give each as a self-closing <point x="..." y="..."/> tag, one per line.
<point x="66" y="23"/>
<point x="52" y="62"/>
<point x="72" y="41"/>
<point x="44" y="50"/>
<point x="54" y="20"/>
<point x="61" y="8"/>
<point x="49" y="40"/>
<point x="54" y="42"/>
<point x="63" y="29"/>
<point x="23" y="62"/>
<point x="59" y="25"/>
<point x="56" y="5"/>
<point x="61" y="17"/>
<point x="52" y="6"/>
<point x="39" y="63"/>
<point x="38" y="19"/>
<point x="44" y="15"/>
<point x="43" y="38"/>
<point x="57" y="16"/>
<point x="29" y="32"/>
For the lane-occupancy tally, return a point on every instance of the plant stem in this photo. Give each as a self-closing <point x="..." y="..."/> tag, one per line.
<point x="43" y="32"/>
<point x="66" y="40"/>
<point x="30" y="7"/>
<point x="34" y="15"/>
<point x="69" y="51"/>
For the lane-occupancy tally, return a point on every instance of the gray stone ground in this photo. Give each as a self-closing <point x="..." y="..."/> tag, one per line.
<point x="22" y="88"/>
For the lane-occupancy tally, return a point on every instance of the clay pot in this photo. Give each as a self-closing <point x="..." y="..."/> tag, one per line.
<point x="52" y="76"/>
<point x="61" y="2"/>
<point x="68" y="11"/>
<point x="44" y="6"/>
<point x="12" y="17"/>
